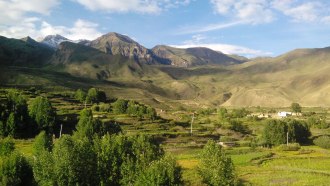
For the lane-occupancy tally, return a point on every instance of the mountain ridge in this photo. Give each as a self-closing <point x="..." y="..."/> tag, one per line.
<point x="297" y="76"/>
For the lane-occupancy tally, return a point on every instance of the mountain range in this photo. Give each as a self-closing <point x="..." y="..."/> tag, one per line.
<point x="165" y="76"/>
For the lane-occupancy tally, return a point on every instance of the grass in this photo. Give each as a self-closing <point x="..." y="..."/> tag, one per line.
<point x="24" y="146"/>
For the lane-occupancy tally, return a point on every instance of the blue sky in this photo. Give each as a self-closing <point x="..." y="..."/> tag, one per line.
<point x="245" y="27"/>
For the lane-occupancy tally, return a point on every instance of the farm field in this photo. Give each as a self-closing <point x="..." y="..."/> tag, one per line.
<point x="254" y="165"/>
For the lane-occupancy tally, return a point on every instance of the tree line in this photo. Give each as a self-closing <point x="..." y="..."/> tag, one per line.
<point x="22" y="120"/>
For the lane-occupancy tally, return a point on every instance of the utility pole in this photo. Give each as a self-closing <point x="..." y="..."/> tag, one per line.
<point x="61" y="130"/>
<point x="287" y="139"/>
<point x="191" y="124"/>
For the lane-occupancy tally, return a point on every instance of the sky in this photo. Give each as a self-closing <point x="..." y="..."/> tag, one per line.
<point x="249" y="28"/>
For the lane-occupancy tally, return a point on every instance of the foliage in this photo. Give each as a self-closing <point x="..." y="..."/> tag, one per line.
<point x="206" y="111"/>
<point x="239" y="113"/>
<point x="222" y="113"/>
<point x="298" y="131"/>
<point x="120" y="106"/>
<point x="104" y="107"/>
<point x="161" y="172"/>
<point x="318" y="122"/>
<point x="92" y="96"/>
<point x="215" y="167"/>
<point x="95" y="96"/>
<point x="133" y="108"/>
<point x="275" y="131"/>
<point x="11" y="125"/>
<point x="238" y="126"/>
<point x="80" y="95"/>
<point x="42" y="142"/>
<point x="295" y="107"/>
<point x="88" y="126"/>
<point x="6" y="146"/>
<point x="110" y="160"/>
<point x="43" y="168"/>
<point x="121" y="158"/>
<point x="323" y="141"/>
<point x="74" y="162"/>
<point x="14" y="120"/>
<point x="15" y="170"/>
<point x="43" y="113"/>
<point x="151" y="113"/>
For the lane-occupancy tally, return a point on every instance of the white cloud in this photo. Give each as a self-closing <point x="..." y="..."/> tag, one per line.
<point x="207" y="28"/>
<point x="16" y="10"/>
<point x="200" y="40"/>
<point x="249" y="11"/>
<point x="314" y="11"/>
<point x="266" y="11"/>
<point x="139" y="6"/>
<point x="227" y="49"/>
<point x="81" y="29"/>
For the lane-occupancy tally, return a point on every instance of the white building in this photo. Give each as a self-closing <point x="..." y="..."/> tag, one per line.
<point x="284" y="114"/>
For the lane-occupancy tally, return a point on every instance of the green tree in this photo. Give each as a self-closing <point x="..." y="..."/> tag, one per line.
<point x="295" y="107"/>
<point x="92" y="96"/>
<point x="275" y="132"/>
<point x="11" y="127"/>
<point x="16" y="103"/>
<point x="85" y="126"/>
<point x="238" y="126"/>
<point x="75" y="162"/>
<point x="43" y="142"/>
<point x="298" y="131"/>
<point x="43" y="168"/>
<point x="7" y="146"/>
<point x="101" y="96"/>
<point x="120" y="106"/>
<point x="161" y="172"/>
<point x="80" y="95"/>
<point x="151" y="113"/>
<point x="132" y="108"/>
<point x="222" y="113"/>
<point x="15" y="170"/>
<point x="43" y="113"/>
<point x="215" y="167"/>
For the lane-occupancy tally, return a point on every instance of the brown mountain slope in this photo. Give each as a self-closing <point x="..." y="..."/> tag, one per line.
<point x="114" y="44"/>
<point x="300" y="76"/>
<point x="192" y="56"/>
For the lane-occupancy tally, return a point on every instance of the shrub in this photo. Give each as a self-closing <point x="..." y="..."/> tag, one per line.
<point x="104" y="107"/>
<point x="323" y="141"/>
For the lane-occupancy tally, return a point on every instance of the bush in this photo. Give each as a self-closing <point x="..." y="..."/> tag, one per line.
<point x="15" y="170"/>
<point x="289" y="147"/>
<point x="104" y="107"/>
<point x="238" y="126"/>
<point x="323" y="141"/>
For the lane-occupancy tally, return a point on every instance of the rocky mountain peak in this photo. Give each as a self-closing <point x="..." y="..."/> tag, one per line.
<point x="54" y="40"/>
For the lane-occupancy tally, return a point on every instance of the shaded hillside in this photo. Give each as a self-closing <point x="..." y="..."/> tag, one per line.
<point x="24" y="52"/>
<point x="193" y="56"/>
